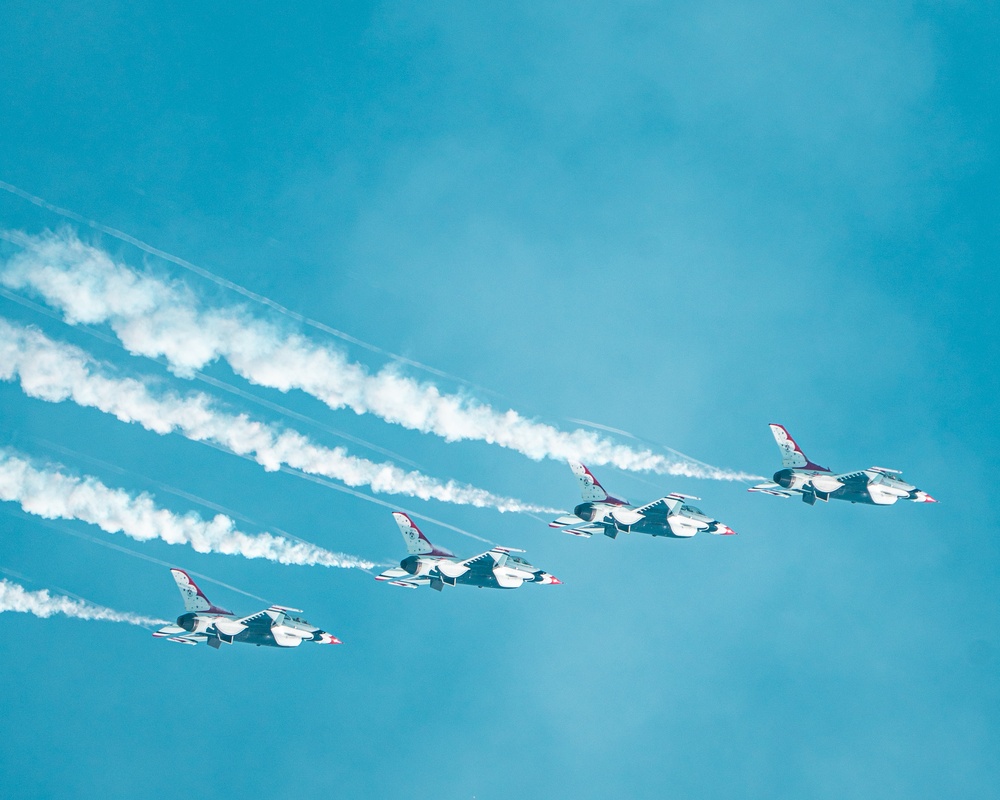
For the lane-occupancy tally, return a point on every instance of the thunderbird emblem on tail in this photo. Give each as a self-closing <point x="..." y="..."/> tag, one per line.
<point x="427" y="564"/>
<point x="203" y="622"/>
<point x="601" y="513"/>
<point x="798" y="475"/>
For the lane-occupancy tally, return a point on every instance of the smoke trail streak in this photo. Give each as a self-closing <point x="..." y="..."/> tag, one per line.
<point x="227" y="284"/>
<point x="14" y="597"/>
<point x="117" y="547"/>
<point x="748" y="479"/>
<point x="166" y="487"/>
<point x="284" y="410"/>
<point x="394" y="507"/>
<point x="367" y="498"/>
<point x="156" y="318"/>
<point x="53" y="495"/>
<point x="54" y="372"/>
<point x="214" y="382"/>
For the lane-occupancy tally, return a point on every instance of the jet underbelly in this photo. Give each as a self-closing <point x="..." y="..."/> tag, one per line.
<point x="683" y="528"/>
<point x="257" y="637"/>
<point x="854" y="494"/>
<point x="481" y="580"/>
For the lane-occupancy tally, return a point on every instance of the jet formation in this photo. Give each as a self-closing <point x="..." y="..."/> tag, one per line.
<point x="204" y="622"/>
<point x="428" y="565"/>
<point x="877" y="486"/>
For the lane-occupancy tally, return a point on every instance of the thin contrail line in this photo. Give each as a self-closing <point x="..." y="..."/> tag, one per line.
<point x="54" y="372"/>
<point x="360" y="495"/>
<point x="166" y="487"/>
<point x="651" y="443"/>
<point x="214" y="382"/>
<point x="112" y="546"/>
<point x="710" y="470"/>
<point x="394" y="507"/>
<point x="347" y="490"/>
<point x="228" y="284"/>
<point x="174" y="490"/>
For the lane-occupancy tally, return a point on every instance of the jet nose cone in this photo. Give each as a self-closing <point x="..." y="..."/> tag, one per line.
<point x="929" y="499"/>
<point x="725" y="530"/>
<point x="548" y="579"/>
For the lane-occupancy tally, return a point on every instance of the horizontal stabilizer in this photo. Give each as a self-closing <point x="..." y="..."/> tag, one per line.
<point x="168" y="630"/>
<point x="773" y="489"/>
<point x="586" y="531"/>
<point x="400" y="577"/>
<point x="568" y="519"/>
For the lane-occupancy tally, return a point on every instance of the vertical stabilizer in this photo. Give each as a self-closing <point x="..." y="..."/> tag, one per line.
<point x="194" y="598"/>
<point x="590" y="488"/>
<point x="416" y="543"/>
<point x="792" y="456"/>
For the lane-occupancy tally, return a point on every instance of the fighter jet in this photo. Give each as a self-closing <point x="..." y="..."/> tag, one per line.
<point x="875" y="486"/>
<point x="204" y="622"/>
<point x="601" y="513"/>
<point x="427" y="564"/>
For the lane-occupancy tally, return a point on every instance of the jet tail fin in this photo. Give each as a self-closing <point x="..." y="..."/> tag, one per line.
<point x="590" y="488"/>
<point x="416" y="543"/>
<point x="792" y="456"/>
<point x="193" y="597"/>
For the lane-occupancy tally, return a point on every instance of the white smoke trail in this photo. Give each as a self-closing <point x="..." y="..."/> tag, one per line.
<point x="204" y="273"/>
<point x="51" y="494"/>
<point x="14" y="597"/>
<point x="68" y="531"/>
<point x="155" y="318"/>
<point x="214" y="382"/>
<point x="54" y="372"/>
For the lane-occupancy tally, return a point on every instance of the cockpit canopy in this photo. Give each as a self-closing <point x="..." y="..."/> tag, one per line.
<point x="515" y="562"/>
<point x="692" y="510"/>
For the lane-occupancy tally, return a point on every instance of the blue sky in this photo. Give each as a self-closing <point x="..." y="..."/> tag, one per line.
<point x="681" y="223"/>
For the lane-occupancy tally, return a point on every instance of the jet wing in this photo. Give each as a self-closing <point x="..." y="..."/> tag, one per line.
<point x="774" y="489"/>
<point x="483" y="563"/>
<point x="664" y="505"/>
<point x="262" y="619"/>
<point x="860" y="477"/>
